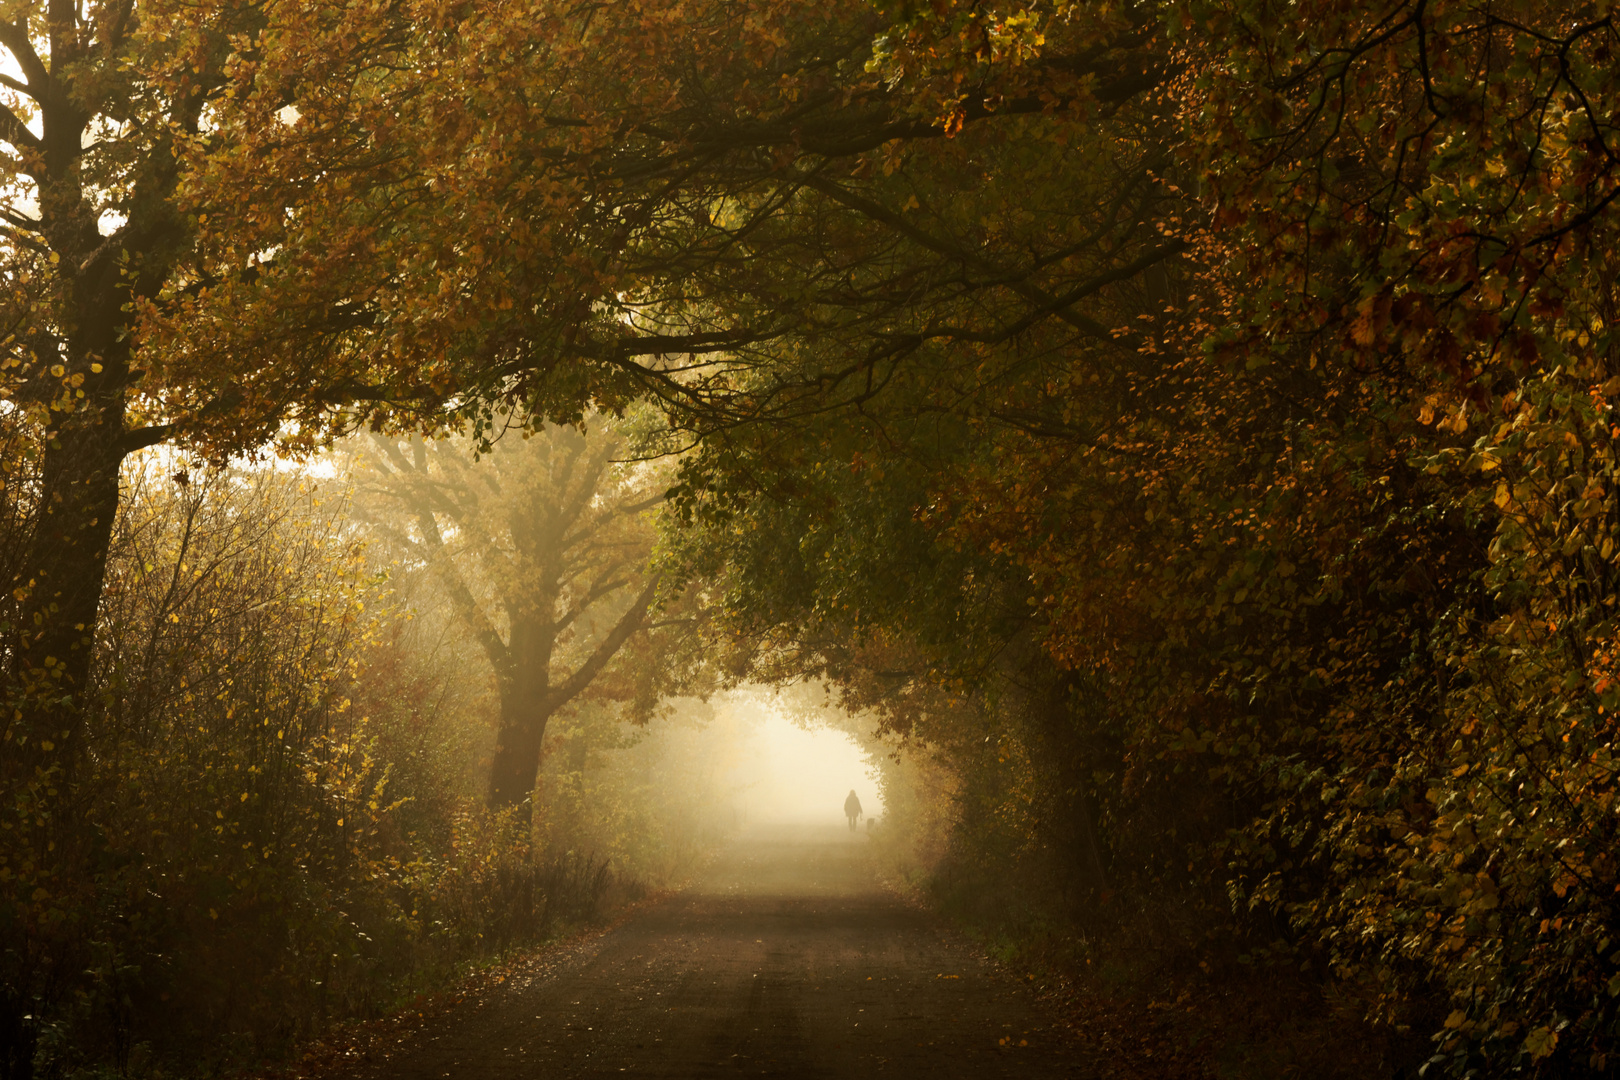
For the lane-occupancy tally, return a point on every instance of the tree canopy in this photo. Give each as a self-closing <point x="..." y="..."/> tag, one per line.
<point x="1196" y="416"/>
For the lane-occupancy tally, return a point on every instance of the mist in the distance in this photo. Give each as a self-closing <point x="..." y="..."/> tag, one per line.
<point x="789" y="774"/>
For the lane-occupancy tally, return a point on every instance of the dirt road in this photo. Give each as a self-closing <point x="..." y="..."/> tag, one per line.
<point x="786" y="960"/>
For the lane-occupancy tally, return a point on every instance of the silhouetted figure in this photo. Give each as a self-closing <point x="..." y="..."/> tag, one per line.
<point x="852" y="809"/>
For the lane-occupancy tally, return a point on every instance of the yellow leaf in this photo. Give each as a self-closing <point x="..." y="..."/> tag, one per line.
<point x="1541" y="1042"/>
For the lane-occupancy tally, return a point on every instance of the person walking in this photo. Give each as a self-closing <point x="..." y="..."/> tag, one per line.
<point x="852" y="808"/>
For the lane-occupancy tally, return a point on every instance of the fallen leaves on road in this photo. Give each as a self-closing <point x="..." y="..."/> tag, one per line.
<point x="346" y="1049"/>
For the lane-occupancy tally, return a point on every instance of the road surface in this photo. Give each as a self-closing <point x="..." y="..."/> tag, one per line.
<point x="787" y="959"/>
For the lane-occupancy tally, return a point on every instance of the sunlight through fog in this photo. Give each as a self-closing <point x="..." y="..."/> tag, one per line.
<point x="787" y="773"/>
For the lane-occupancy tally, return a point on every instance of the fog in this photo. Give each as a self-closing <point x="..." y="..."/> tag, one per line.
<point x="786" y="773"/>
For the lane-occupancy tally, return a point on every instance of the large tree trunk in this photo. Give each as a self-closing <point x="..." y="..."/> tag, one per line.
<point x="526" y="707"/>
<point x="46" y="682"/>
<point x="529" y="697"/>
<point x="79" y="370"/>
<point x="66" y="569"/>
<point x="517" y="753"/>
<point x="84" y="377"/>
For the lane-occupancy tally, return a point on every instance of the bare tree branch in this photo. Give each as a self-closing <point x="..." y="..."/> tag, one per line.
<point x="630" y="622"/>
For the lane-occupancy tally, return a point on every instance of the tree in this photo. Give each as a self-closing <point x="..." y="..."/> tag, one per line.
<point x="1229" y="382"/>
<point x="109" y="113"/>
<point x="1451" y="171"/>
<point x="721" y="216"/>
<point x="543" y="547"/>
<point x="318" y="218"/>
<point x="1341" y="538"/>
<point x="98" y="168"/>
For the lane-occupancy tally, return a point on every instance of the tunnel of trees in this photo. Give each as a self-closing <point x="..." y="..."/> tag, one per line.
<point x="1182" y="428"/>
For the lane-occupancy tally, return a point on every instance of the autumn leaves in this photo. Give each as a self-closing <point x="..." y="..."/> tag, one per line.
<point x="1214" y="401"/>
